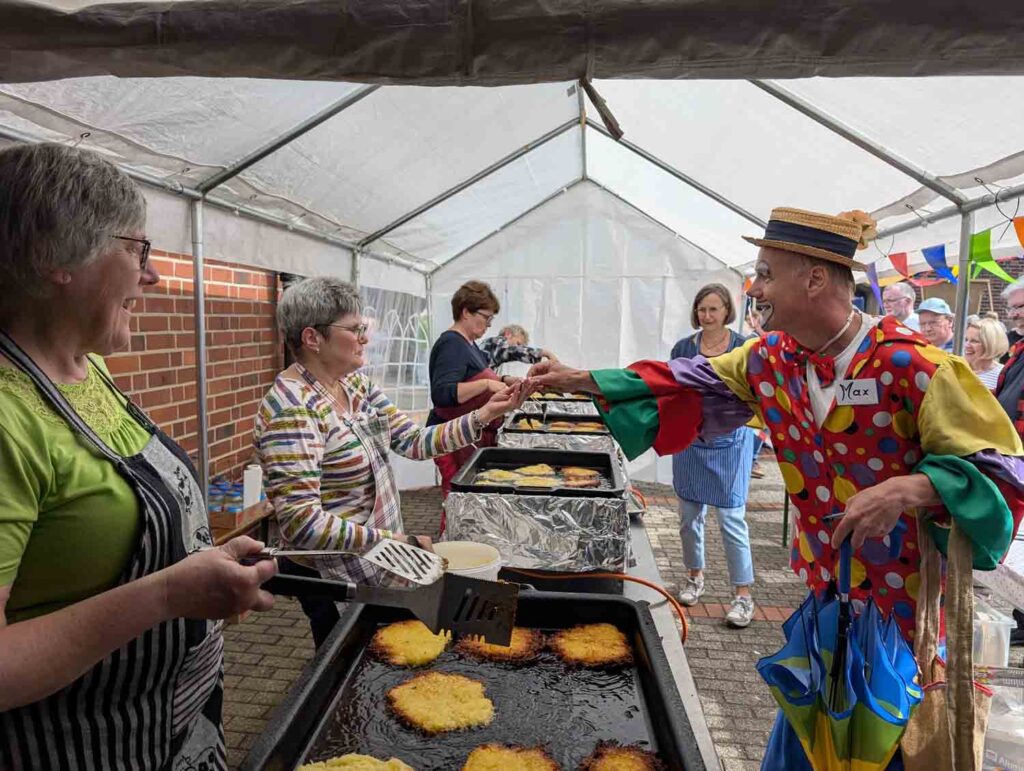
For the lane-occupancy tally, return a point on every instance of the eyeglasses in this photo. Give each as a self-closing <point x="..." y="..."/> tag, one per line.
<point x="488" y="317"/>
<point x="1015" y="307"/>
<point x="359" y="330"/>
<point x="146" y="246"/>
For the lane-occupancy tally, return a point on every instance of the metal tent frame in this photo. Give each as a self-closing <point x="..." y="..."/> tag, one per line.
<point x="202" y="194"/>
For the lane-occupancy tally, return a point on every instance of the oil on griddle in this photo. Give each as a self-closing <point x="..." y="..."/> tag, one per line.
<point x="568" y="709"/>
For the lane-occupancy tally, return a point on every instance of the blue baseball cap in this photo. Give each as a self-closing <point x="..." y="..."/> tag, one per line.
<point x="935" y="305"/>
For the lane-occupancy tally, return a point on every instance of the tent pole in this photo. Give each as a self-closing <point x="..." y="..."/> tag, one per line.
<point x="963" y="285"/>
<point x="500" y="228"/>
<point x="583" y="129"/>
<point x="684" y="178"/>
<point x="496" y="166"/>
<point x="850" y="134"/>
<point x="981" y="202"/>
<point x="355" y="267"/>
<point x="199" y="309"/>
<point x="291" y="135"/>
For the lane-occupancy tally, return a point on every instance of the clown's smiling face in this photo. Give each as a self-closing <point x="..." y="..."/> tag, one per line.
<point x="779" y="288"/>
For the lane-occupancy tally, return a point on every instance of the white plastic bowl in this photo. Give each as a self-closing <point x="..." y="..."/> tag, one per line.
<point x="466" y="558"/>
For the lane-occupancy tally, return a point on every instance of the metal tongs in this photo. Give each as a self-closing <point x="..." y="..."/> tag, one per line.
<point x="400" y="559"/>
<point x="461" y="605"/>
<point x="442" y="601"/>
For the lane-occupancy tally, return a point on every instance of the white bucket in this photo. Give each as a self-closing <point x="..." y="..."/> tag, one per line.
<point x="466" y="558"/>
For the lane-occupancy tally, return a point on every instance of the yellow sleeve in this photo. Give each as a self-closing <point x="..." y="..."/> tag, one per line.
<point x="731" y="368"/>
<point x="960" y="416"/>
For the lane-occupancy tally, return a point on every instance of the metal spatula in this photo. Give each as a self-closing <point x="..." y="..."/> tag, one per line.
<point x="400" y="559"/>
<point x="461" y="605"/>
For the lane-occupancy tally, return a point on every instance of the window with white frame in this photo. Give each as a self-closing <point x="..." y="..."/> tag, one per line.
<point x="399" y="347"/>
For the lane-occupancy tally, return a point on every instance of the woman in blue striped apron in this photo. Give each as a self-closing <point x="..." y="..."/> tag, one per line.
<point x="717" y="472"/>
<point x="110" y="594"/>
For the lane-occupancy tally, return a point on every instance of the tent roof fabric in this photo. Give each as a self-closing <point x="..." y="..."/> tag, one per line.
<point x="492" y="42"/>
<point x="415" y="176"/>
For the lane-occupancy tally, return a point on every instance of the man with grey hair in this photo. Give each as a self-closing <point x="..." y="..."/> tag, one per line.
<point x="1013" y="296"/>
<point x="898" y="301"/>
<point x="511" y="344"/>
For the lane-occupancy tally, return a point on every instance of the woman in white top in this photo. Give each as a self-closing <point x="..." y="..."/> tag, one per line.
<point x="984" y="342"/>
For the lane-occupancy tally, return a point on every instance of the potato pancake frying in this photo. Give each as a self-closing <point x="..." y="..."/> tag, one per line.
<point x="525" y="645"/>
<point x="578" y="472"/>
<point x="499" y="475"/>
<point x="581" y="483"/>
<point x="536" y="470"/>
<point x="592" y="645"/>
<point x="436" y="702"/>
<point x="353" y="762"/>
<point x="498" y="757"/>
<point x="537" y="482"/>
<point x="609" y="756"/>
<point x="408" y="644"/>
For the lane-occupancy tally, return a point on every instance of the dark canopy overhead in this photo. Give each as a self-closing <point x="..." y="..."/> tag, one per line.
<point x="495" y="42"/>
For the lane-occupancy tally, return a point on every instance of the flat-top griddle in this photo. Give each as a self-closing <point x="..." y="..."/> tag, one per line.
<point x="338" y="705"/>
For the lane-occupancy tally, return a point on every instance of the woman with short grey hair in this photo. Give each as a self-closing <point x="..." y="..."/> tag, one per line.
<point x="106" y="572"/>
<point x="323" y="433"/>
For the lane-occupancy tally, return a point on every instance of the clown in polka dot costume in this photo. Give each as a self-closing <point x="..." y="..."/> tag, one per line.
<point x="878" y="435"/>
<point x="929" y="404"/>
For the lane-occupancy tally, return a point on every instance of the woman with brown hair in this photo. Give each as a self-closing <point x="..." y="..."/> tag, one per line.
<point x="716" y="472"/>
<point x="461" y="379"/>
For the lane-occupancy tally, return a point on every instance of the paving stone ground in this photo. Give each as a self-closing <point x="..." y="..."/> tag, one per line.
<point x="265" y="653"/>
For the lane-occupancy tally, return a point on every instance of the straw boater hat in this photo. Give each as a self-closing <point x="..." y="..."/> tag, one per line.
<point x="835" y="239"/>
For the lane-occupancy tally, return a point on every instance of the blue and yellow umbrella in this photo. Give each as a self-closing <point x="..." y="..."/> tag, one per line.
<point x="846" y="684"/>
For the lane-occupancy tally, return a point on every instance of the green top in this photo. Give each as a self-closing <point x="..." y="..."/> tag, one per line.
<point x="68" y="521"/>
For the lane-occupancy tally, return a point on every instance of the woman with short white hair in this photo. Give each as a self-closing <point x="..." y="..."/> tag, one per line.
<point x="984" y="343"/>
<point x="323" y="433"/>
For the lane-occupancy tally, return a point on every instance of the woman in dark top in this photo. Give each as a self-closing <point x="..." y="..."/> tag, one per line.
<point x="460" y="378"/>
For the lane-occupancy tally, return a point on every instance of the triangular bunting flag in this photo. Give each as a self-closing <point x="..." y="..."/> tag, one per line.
<point x="899" y="261"/>
<point x="935" y="256"/>
<point x="1018" y="225"/>
<point x="981" y="255"/>
<point x="873" y="280"/>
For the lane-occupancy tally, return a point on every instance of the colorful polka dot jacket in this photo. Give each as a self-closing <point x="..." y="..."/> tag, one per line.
<point x="902" y="406"/>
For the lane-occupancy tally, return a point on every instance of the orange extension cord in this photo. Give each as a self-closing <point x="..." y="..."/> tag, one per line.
<point x="649" y="584"/>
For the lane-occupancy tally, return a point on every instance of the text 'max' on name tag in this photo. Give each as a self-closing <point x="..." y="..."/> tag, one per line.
<point x="863" y="391"/>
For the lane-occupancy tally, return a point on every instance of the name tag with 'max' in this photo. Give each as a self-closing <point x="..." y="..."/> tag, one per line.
<point x="864" y="391"/>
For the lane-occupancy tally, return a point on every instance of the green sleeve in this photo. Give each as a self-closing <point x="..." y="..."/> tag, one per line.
<point x="976" y="504"/>
<point x="628" y="409"/>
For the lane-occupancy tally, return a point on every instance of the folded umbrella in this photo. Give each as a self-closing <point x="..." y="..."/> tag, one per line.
<point x="845" y="682"/>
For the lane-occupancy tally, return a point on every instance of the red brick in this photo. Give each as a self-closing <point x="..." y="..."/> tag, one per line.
<point x="155" y="342"/>
<point x="152" y="361"/>
<point x="697" y="611"/>
<point x="163" y="415"/>
<point x="157" y="304"/>
<point x="120" y="364"/>
<point x="154" y="323"/>
<point x="715" y="610"/>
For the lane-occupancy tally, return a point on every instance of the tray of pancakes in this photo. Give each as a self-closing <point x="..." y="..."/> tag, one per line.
<point x="516" y="470"/>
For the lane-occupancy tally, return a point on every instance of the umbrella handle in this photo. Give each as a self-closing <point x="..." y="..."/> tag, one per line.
<point x="845" y="567"/>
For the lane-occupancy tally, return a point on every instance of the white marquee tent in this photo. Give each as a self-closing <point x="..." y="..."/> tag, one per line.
<point x="595" y="245"/>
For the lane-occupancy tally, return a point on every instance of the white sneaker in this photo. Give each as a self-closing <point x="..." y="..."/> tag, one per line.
<point x="692" y="591"/>
<point x="741" y="612"/>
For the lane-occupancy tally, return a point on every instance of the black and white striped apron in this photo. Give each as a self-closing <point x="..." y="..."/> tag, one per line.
<point x="154" y="703"/>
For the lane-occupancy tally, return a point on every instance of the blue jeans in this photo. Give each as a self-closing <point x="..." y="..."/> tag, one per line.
<point x="733" y="525"/>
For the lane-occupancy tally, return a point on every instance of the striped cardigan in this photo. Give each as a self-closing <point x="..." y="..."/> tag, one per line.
<point x="315" y="470"/>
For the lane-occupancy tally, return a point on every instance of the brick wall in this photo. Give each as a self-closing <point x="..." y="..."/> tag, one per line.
<point x="243" y="355"/>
